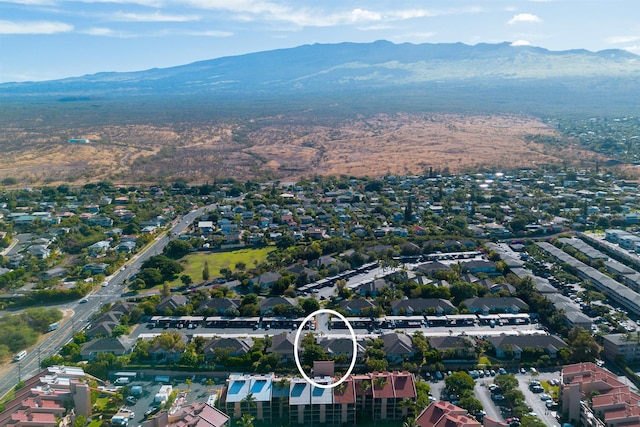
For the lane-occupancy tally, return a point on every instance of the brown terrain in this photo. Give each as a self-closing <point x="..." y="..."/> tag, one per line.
<point x="278" y="147"/>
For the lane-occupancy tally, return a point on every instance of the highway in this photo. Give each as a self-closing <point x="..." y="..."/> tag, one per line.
<point x="82" y="312"/>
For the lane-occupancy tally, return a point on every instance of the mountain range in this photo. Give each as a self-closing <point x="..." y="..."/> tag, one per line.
<point x="327" y="68"/>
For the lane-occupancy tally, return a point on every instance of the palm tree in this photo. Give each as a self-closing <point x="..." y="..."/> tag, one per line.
<point x="250" y="401"/>
<point x="246" y="421"/>
<point x="408" y="403"/>
<point x="410" y="423"/>
<point x="380" y="382"/>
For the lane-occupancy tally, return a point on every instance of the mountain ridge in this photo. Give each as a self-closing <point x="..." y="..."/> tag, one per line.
<point x="345" y="65"/>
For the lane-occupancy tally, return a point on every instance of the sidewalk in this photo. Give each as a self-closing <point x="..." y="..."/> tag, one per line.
<point x="6" y="250"/>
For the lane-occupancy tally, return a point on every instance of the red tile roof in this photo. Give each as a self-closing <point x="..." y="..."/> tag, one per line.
<point x="403" y="385"/>
<point x="444" y="414"/>
<point x="384" y="390"/>
<point x="345" y="394"/>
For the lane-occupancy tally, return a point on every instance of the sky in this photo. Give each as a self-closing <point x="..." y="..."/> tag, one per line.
<point x="52" y="39"/>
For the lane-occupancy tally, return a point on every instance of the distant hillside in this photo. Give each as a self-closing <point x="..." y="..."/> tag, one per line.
<point x="328" y="68"/>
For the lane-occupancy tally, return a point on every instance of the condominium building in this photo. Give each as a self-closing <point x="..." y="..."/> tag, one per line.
<point x="612" y="403"/>
<point x="384" y="395"/>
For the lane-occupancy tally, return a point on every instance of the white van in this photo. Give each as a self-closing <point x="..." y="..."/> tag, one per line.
<point x="20" y="356"/>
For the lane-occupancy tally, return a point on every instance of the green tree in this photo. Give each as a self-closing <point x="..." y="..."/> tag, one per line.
<point x="81" y="421"/>
<point x="471" y="404"/>
<point x="205" y="271"/>
<point x="309" y="305"/>
<point x="186" y="279"/>
<point x="177" y="249"/>
<point x="246" y="421"/>
<point x="531" y="421"/>
<point x="583" y="346"/>
<point x="506" y="382"/>
<point x="459" y="381"/>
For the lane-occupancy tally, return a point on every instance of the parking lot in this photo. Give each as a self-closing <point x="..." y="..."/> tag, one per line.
<point x="483" y="394"/>
<point x="144" y="403"/>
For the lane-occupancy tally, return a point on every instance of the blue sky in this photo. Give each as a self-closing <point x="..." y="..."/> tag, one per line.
<point x="50" y="39"/>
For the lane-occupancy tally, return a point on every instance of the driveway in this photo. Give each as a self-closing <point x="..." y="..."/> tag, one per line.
<point x="533" y="399"/>
<point x="483" y="394"/>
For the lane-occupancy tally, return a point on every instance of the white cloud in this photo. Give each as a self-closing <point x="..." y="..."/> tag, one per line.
<point x="521" y="43"/>
<point x="31" y="2"/>
<point x="633" y="49"/>
<point x="153" y="17"/>
<point x="210" y="33"/>
<point x="622" y="39"/>
<point x="510" y="9"/>
<point x="413" y="37"/>
<point x="99" y="31"/>
<point x="254" y="10"/>
<point x="524" y="17"/>
<point x="34" y="27"/>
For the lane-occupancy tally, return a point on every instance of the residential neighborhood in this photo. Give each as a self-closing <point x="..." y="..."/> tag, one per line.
<point x="440" y="278"/>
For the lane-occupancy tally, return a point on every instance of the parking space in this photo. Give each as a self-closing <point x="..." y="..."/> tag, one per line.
<point x="144" y="404"/>
<point x="533" y="399"/>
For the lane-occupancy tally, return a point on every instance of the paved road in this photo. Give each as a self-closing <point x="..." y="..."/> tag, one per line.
<point x="533" y="399"/>
<point x="483" y="394"/>
<point x="82" y="312"/>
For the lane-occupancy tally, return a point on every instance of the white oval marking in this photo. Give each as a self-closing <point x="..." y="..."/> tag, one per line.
<point x="353" y="357"/>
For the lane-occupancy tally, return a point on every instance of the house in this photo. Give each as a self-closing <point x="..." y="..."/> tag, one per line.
<point x="198" y="414"/>
<point x="219" y="305"/>
<point x="266" y="305"/>
<point x="506" y="344"/>
<point x="100" y="268"/>
<point x="103" y="325"/>
<point x="298" y="270"/>
<point x="371" y="287"/>
<point x="101" y="221"/>
<point x="479" y="266"/>
<point x="126" y="247"/>
<point x="486" y="305"/>
<point x="99" y="247"/>
<point x="430" y="268"/>
<point x="458" y="347"/>
<point x="54" y="272"/>
<point x="445" y="414"/>
<point x="398" y="347"/>
<point x="359" y="306"/>
<point x="233" y="346"/>
<point x="282" y="344"/>
<point x="39" y="251"/>
<point x="342" y="346"/>
<point x="323" y="261"/>
<point x="171" y="302"/>
<point x="115" y="346"/>
<point x="266" y="280"/>
<point x="414" y="306"/>
<point x="160" y="353"/>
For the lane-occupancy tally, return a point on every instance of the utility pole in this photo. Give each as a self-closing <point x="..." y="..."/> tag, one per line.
<point x="38" y="357"/>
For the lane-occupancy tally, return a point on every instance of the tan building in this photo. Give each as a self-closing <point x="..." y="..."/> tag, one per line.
<point x="612" y="401"/>
<point x="622" y="345"/>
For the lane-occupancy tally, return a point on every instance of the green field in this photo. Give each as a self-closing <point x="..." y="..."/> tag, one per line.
<point x="194" y="263"/>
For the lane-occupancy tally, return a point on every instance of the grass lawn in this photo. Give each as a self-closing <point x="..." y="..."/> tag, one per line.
<point x="194" y="262"/>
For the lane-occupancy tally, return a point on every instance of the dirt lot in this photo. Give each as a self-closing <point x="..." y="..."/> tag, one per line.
<point x="278" y="147"/>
